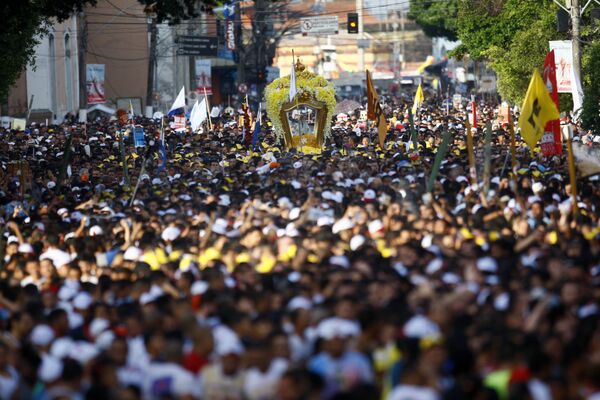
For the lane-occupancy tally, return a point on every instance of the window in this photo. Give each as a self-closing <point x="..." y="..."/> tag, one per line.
<point x="52" y="73"/>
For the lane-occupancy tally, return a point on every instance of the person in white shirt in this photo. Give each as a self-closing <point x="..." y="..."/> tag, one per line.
<point x="264" y="374"/>
<point x="166" y="377"/>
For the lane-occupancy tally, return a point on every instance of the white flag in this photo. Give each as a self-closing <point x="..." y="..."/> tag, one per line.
<point x="179" y="103"/>
<point x="293" y="82"/>
<point x="198" y="115"/>
<point x="577" y="93"/>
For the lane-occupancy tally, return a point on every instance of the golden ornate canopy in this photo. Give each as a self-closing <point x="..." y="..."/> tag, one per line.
<point x="313" y="91"/>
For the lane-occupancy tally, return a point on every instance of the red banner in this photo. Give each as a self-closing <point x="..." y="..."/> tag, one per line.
<point x="551" y="142"/>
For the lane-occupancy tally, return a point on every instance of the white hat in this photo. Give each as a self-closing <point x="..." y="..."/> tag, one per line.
<point x="133" y="254"/>
<point x="50" y="369"/>
<point x="198" y="288"/>
<point x="487" y="264"/>
<point x="41" y="335"/>
<point x="420" y="326"/>
<point x="96" y="230"/>
<point x="333" y="327"/>
<point x="375" y="227"/>
<point x="104" y="340"/>
<point x="537" y="187"/>
<point x="61" y="347"/>
<point x="340" y="261"/>
<point x="83" y="301"/>
<point x="294" y="213"/>
<point x="299" y="302"/>
<point x="342" y="225"/>
<point x="97" y="326"/>
<point x="83" y="352"/>
<point x="434" y="265"/>
<point x="356" y="242"/>
<point x="224" y="200"/>
<point x="297" y="165"/>
<point x="26" y="248"/>
<point x="325" y="221"/>
<point x="220" y="226"/>
<point x="170" y="233"/>
<point x="12" y="239"/>
<point x="66" y="293"/>
<point x="369" y="195"/>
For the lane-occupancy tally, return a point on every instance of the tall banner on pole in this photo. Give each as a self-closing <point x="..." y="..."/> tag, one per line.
<point x="203" y="77"/>
<point x="551" y="142"/>
<point x="94" y="77"/>
<point x="228" y="13"/>
<point x="563" y="58"/>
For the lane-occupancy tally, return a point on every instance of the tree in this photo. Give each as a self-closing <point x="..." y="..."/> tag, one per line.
<point x="24" y="23"/>
<point x="512" y="35"/>
<point x="436" y="18"/>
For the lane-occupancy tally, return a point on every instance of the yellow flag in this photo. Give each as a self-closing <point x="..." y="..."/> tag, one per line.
<point x="419" y="98"/>
<point x="538" y="108"/>
<point x="374" y="111"/>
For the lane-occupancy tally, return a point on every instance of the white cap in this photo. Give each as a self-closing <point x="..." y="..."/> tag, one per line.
<point x="97" y="326"/>
<point x="375" y="226"/>
<point x="132" y="254"/>
<point x="487" y="264"/>
<point x="26" y="248"/>
<point x="342" y="225"/>
<point x="170" y="233"/>
<point x="96" y="230"/>
<point x="340" y="261"/>
<point x="356" y="242"/>
<point x="83" y="301"/>
<point x="41" y="335"/>
<point x="50" y="369"/>
<point x="420" y="326"/>
<point x="369" y="195"/>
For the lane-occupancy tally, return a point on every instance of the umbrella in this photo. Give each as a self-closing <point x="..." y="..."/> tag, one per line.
<point x="346" y="106"/>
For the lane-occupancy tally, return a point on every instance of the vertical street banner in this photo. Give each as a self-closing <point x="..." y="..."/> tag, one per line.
<point x="138" y="137"/>
<point x="551" y="143"/>
<point x="94" y="76"/>
<point x="229" y="13"/>
<point x="203" y="77"/>
<point x="563" y="58"/>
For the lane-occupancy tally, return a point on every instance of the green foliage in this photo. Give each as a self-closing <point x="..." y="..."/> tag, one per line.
<point x="590" y="116"/>
<point x="514" y="60"/>
<point x="436" y="18"/>
<point x="23" y="23"/>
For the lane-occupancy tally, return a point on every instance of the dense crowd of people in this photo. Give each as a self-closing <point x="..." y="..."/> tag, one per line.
<point x="263" y="274"/>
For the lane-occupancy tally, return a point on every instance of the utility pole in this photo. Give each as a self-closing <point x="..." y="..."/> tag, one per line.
<point x="151" y="63"/>
<point x="82" y="43"/>
<point x="239" y="42"/>
<point x="361" y="35"/>
<point x="576" y="35"/>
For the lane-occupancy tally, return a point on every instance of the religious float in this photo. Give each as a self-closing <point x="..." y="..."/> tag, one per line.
<point x="303" y="123"/>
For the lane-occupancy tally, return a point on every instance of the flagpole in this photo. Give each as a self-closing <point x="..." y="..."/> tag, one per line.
<point x="207" y="109"/>
<point x="513" y="149"/>
<point x="572" y="173"/>
<point x="470" y="152"/>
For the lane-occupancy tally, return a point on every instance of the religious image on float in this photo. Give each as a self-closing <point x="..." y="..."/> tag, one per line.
<point x="303" y="122"/>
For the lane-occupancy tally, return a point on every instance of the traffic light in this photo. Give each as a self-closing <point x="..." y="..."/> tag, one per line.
<point x="352" y="22"/>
